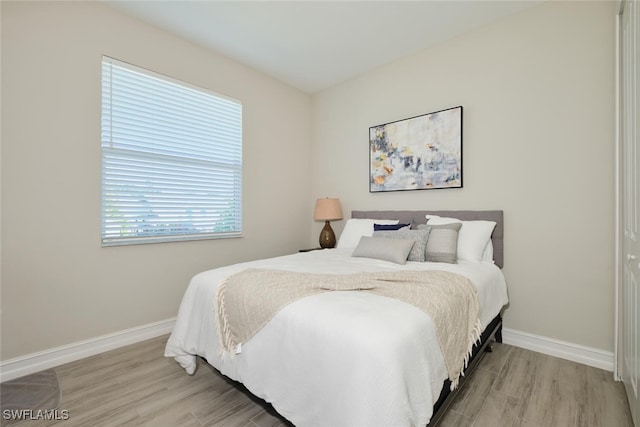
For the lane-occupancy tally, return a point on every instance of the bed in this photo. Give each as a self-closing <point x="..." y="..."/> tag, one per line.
<point x="348" y="358"/>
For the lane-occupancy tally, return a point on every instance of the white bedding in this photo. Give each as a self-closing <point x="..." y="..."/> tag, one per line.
<point x="338" y="358"/>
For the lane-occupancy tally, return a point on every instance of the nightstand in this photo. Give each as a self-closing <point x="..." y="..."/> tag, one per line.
<point x="310" y="249"/>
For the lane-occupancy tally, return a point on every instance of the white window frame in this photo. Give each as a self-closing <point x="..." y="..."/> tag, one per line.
<point x="171" y="159"/>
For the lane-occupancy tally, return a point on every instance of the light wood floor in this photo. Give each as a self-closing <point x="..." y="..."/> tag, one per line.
<point x="137" y="385"/>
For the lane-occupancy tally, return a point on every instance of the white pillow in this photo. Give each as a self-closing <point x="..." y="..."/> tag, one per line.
<point x="472" y="238"/>
<point x="355" y="228"/>
<point x="487" y="254"/>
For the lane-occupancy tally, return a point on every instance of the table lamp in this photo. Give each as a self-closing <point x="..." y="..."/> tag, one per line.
<point x="327" y="210"/>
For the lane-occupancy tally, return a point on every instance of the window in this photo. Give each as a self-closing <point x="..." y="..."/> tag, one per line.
<point x="171" y="159"/>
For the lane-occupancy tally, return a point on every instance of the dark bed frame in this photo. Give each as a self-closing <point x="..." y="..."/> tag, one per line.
<point x="493" y="332"/>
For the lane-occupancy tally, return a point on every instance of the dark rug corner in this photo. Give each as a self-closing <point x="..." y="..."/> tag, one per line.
<point x="35" y="392"/>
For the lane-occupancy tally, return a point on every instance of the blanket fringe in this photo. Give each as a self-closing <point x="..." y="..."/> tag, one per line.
<point x="474" y="337"/>
<point x="224" y="329"/>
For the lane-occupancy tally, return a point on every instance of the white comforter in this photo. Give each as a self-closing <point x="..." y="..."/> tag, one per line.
<point x="339" y="358"/>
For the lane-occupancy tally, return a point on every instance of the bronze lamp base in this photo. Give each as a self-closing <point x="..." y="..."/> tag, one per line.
<point x="327" y="236"/>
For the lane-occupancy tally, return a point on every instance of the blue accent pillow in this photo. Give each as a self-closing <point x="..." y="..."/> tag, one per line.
<point x="381" y="227"/>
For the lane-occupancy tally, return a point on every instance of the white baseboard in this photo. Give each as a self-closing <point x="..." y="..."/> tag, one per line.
<point x="34" y="362"/>
<point x="577" y="353"/>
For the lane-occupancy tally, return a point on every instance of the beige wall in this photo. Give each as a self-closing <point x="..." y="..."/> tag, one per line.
<point x="538" y="97"/>
<point x="58" y="285"/>
<point x="537" y="91"/>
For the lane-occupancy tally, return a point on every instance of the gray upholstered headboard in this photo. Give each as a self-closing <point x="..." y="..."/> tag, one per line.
<point x="418" y="217"/>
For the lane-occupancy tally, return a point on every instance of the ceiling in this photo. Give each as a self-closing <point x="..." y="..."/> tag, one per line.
<point x="313" y="45"/>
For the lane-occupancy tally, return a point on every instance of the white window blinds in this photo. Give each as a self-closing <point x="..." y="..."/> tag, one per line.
<point x="171" y="159"/>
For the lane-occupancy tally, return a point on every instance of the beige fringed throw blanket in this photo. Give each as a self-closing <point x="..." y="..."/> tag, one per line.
<point x="247" y="300"/>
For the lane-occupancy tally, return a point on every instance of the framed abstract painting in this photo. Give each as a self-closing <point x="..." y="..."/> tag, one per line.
<point x="419" y="153"/>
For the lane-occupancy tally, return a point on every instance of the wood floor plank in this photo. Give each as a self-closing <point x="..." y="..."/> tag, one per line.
<point x="232" y="408"/>
<point x="606" y="400"/>
<point x="454" y="418"/>
<point x="494" y="361"/>
<point x="268" y="419"/>
<point x="510" y="379"/>
<point x="137" y="386"/>
<point x="169" y="416"/>
<point x="501" y="410"/>
<point x="470" y="399"/>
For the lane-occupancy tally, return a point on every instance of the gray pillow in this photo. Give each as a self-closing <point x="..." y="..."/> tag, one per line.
<point x="394" y="250"/>
<point x="442" y="245"/>
<point x="419" y="237"/>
